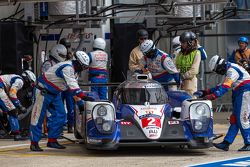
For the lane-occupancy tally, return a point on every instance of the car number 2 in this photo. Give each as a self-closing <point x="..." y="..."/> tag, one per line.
<point x="151" y="122"/>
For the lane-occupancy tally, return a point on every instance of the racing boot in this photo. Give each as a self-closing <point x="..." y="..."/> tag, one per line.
<point x="70" y="129"/>
<point x="35" y="147"/>
<point x="223" y="145"/>
<point x="245" y="148"/>
<point x="53" y="143"/>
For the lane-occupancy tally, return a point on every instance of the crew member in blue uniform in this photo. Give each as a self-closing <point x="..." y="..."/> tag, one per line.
<point x="236" y="77"/>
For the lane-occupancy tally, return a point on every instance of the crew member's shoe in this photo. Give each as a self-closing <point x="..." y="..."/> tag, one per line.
<point x="35" y="147"/>
<point x="223" y="145"/>
<point x="55" y="145"/>
<point x="245" y="148"/>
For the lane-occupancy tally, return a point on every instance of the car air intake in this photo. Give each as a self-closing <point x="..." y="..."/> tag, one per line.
<point x="142" y="77"/>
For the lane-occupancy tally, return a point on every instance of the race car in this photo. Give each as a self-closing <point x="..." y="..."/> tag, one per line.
<point x="142" y="113"/>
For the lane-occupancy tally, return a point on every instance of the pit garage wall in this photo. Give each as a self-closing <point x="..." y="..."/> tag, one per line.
<point x="49" y="39"/>
<point x="86" y="33"/>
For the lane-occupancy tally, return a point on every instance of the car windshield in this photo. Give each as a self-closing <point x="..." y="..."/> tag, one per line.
<point x="138" y="96"/>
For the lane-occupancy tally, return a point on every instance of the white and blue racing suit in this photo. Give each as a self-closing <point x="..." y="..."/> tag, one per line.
<point x="238" y="78"/>
<point x="9" y="86"/>
<point x="98" y="72"/>
<point x="203" y="52"/>
<point x="49" y="63"/>
<point x="162" y="67"/>
<point x="58" y="78"/>
<point x="45" y="66"/>
<point x="65" y="95"/>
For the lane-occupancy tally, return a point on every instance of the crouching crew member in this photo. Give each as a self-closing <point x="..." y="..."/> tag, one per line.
<point x="159" y="64"/>
<point x="239" y="79"/>
<point x="10" y="84"/>
<point x="58" y="78"/>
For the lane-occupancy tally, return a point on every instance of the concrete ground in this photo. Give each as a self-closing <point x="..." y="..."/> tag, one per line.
<point x="15" y="154"/>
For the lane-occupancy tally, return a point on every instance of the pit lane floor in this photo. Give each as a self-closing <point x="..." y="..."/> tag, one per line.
<point x="17" y="154"/>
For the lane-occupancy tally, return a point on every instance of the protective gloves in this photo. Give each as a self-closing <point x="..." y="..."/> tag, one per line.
<point x="13" y="113"/>
<point x="88" y="98"/>
<point x="177" y="78"/>
<point x="81" y="108"/>
<point x="201" y="93"/>
<point x="22" y="109"/>
<point x="198" y="93"/>
<point x="210" y="97"/>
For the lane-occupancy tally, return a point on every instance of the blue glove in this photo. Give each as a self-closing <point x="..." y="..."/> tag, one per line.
<point x="88" y="98"/>
<point x="81" y="108"/>
<point x="177" y="78"/>
<point x="202" y="93"/>
<point x="210" y="97"/>
<point x="198" y="93"/>
<point x="80" y="105"/>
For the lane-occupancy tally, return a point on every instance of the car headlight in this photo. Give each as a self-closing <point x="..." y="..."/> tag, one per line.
<point x="102" y="111"/>
<point x="198" y="125"/>
<point x="201" y="109"/>
<point x="198" y="110"/>
<point x="200" y="114"/>
<point x="107" y="126"/>
<point x="104" y="118"/>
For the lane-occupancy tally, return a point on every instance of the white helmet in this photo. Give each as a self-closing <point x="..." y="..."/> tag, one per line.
<point x="82" y="58"/>
<point x="29" y="76"/>
<point x="214" y="62"/>
<point x="99" y="43"/>
<point x="147" y="46"/>
<point x="59" y="52"/>
<point x="176" y="42"/>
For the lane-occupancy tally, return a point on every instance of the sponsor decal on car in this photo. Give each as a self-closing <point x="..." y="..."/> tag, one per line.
<point x="173" y="122"/>
<point x="151" y="121"/>
<point x="126" y="123"/>
<point x="93" y="141"/>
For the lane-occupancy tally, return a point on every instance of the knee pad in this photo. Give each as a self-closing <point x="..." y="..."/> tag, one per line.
<point x="233" y="119"/>
<point x="13" y="113"/>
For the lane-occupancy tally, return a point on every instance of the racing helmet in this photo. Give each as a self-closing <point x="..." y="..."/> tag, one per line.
<point x="83" y="59"/>
<point x="188" y="37"/>
<point x="99" y="43"/>
<point x="147" y="47"/>
<point x="217" y="64"/>
<point x="176" y="42"/>
<point x="243" y="39"/>
<point x="29" y="77"/>
<point x="59" y="52"/>
<point x="142" y="33"/>
<point x="65" y="42"/>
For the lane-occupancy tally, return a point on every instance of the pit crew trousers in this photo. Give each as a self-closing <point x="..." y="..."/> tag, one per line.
<point x="43" y="103"/>
<point x="101" y="90"/>
<point x="241" y="110"/>
<point x="70" y="105"/>
<point x="6" y="105"/>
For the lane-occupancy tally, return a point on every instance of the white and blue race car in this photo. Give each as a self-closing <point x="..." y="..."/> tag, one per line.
<point x="142" y="113"/>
